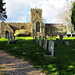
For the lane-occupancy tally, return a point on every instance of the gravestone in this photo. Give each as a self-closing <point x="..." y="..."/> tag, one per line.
<point x="45" y="43"/>
<point x="33" y="37"/>
<point x="67" y="42"/>
<point x="40" y="41"/>
<point x="61" y="38"/>
<point x="51" y="47"/>
<point x="36" y="39"/>
<point x="8" y="39"/>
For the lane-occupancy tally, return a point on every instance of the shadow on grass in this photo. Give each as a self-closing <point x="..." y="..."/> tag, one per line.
<point x="63" y="63"/>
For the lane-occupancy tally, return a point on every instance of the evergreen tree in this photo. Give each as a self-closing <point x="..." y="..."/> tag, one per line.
<point x="3" y="15"/>
<point x="73" y="15"/>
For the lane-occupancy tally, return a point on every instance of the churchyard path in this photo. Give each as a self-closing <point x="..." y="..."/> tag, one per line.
<point x="11" y="65"/>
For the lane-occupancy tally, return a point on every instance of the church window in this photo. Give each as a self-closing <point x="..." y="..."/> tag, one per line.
<point x="37" y="27"/>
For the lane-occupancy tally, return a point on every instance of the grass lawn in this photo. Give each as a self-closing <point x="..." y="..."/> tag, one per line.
<point x="63" y="63"/>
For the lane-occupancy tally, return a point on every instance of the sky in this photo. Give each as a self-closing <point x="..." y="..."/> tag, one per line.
<point x="19" y="10"/>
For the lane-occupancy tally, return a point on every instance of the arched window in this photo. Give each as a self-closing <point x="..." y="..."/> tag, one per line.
<point x="23" y="27"/>
<point x="37" y="27"/>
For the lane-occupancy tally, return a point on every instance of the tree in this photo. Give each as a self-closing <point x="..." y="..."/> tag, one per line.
<point x="73" y="15"/>
<point x="65" y="17"/>
<point x="3" y="15"/>
<point x="21" y="31"/>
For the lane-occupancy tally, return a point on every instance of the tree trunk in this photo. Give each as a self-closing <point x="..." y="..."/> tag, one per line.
<point x="71" y="34"/>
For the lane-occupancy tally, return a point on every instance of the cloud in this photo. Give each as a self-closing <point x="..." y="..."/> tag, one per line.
<point x="20" y="9"/>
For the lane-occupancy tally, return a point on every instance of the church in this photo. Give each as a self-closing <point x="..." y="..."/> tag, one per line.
<point x="35" y="27"/>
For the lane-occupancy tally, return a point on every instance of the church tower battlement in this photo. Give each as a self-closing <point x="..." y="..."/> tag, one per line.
<point x="35" y="12"/>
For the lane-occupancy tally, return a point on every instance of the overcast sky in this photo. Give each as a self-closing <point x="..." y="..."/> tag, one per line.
<point x="19" y="10"/>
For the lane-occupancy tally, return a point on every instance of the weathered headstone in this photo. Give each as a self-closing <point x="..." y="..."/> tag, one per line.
<point x="67" y="42"/>
<point x="8" y="39"/>
<point x="51" y="47"/>
<point x="61" y="38"/>
<point x="40" y="41"/>
<point x="45" y="43"/>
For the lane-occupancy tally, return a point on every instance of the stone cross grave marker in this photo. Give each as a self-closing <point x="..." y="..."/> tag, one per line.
<point x="8" y="39"/>
<point x="40" y="41"/>
<point x="51" y="47"/>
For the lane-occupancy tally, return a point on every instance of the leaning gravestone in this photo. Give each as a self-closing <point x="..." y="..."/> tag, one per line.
<point x="61" y="38"/>
<point x="8" y="39"/>
<point x="40" y="41"/>
<point x="51" y="47"/>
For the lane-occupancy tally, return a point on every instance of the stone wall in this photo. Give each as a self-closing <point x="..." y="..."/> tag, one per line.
<point x="55" y="29"/>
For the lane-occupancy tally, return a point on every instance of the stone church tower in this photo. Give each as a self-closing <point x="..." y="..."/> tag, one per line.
<point x="38" y="26"/>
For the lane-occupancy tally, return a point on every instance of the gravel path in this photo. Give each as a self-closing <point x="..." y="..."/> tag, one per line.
<point x="11" y="65"/>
